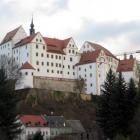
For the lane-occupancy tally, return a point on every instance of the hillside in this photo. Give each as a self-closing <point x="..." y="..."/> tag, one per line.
<point x="34" y="101"/>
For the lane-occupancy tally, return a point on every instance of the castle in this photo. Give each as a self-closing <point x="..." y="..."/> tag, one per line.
<point x="58" y="63"/>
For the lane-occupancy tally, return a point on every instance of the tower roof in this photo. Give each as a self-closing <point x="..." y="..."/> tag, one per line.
<point x="27" y="66"/>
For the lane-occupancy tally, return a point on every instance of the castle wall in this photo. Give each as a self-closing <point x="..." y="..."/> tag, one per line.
<point x="57" y="84"/>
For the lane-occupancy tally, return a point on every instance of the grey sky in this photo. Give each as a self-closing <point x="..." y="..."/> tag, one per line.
<point x="113" y="24"/>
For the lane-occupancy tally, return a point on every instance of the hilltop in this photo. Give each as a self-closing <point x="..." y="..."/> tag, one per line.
<point x="35" y="101"/>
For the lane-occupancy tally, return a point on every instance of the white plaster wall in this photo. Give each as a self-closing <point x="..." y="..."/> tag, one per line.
<point x="25" y="81"/>
<point x="127" y="76"/>
<point x="45" y="131"/>
<point x="86" y="48"/>
<point x="6" y="49"/>
<point x="19" y="35"/>
<point x="88" y="72"/>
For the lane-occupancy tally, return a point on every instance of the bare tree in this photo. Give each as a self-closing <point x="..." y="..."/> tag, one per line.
<point x="10" y="67"/>
<point x="80" y="85"/>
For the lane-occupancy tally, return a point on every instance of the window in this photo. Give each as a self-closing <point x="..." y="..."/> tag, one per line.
<point x="68" y="73"/>
<point x="36" y="54"/>
<point x="51" y="56"/>
<point x="51" y="64"/>
<point x="32" y="73"/>
<point x="42" y="55"/>
<point x="73" y="51"/>
<point x="59" y="65"/>
<point x="85" y="75"/>
<point x="47" y="63"/>
<point x="68" y="66"/>
<point x="26" y="73"/>
<point x="36" y="46"/>
<point x="59" y="57"/>
<point x="52" y="71"/>
<point x="37" y="63"/>
<point x="70" y="58"/>
<point x="27" y="54"/>
<point x="90" y="74"/>
<point x="47" y="55"/>
<point x="58" y="71"/>
<point x="38" y="69"/>
<point x="73" y="73"/>
<point x="56" y="56"/>
<point x="73" y="67"/>
<point x="63" y="66"/>
<point x="43" y="47"/>
<point x="56" y="64"/>
<point x="36" y="39"/>
<point x="91" y="85"/>
<point x="40" y="40"/>
<point x="20" y="73"/>
<point x="61" y="72"/>
<point x="47" y="70"/>
<point x="85" y="70"/>
<point x="90" y="67"/>
<point x="72" y="45"/>
<point x="64" y="57"/>
<point x="79" y="68"/>
<point x="42" y="63"/>
<point x="26" y="46"/>
<point x="69" y="51"/>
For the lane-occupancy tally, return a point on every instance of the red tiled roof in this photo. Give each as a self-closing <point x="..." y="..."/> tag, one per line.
<point x="10" y="35"/>
<point x="99" y="47"/>
<point x="89" y="57"/>
<point x="56" y="45"/>
<point x="27" y="66"/>
<point x="25" y="40"/>
<point x="126" y="65"/>
<point x="32" y="120"/>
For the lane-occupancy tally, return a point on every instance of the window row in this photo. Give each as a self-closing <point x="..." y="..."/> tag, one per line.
<point x="26" y="73"/>
<point x="38" y="47"/>
<point x="90" y="75"/>
<point x="55" y="64"/>
<point x="58" y="72"/>
<point x="90" y="66"/>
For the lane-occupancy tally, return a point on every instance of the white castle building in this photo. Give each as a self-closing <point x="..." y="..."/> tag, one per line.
<point x="50" y="58"/>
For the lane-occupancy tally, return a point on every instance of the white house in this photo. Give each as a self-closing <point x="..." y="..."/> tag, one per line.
<point x="129" y="69"/>
<point x="95" y="61"/>
<point x="32" y="124"/>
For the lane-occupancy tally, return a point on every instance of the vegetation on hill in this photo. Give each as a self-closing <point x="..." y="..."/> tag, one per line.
<point x="71" y="106"/>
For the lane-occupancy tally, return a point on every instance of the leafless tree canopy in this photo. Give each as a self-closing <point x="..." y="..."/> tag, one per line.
<point x="10" y="67"/>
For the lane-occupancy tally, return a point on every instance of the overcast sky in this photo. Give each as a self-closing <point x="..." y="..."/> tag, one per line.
<point x="115" y="24"/>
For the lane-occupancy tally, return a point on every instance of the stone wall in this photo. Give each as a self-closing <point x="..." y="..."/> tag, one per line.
<point x="56" y="84"/>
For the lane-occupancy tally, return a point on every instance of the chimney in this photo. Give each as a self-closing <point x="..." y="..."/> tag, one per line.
<point x="131" y="56"/>
<point x="125" y="56"/>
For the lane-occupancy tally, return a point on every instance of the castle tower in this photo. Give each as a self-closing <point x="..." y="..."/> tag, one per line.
<point x="32" y="30"/>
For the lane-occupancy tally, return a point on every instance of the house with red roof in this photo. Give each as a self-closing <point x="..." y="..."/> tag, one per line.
<point x="94" y="64"/>
<point x="32" y="124"/>
<point x="10" y="39"/>
<point x="129" y="69"/>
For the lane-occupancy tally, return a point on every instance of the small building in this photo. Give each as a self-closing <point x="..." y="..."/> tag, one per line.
<point x="32" y="124"/>
<point x="57" y="125"/>
<point x="129" y="69"/>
